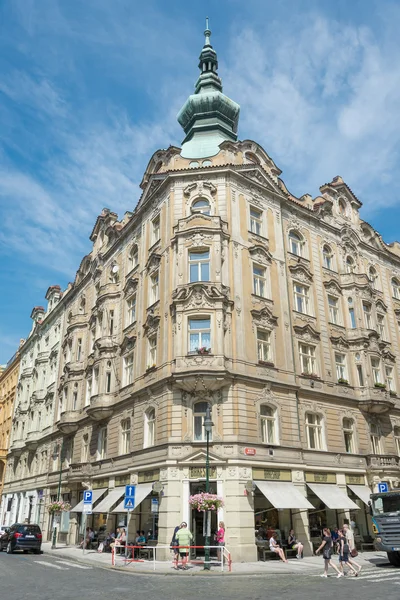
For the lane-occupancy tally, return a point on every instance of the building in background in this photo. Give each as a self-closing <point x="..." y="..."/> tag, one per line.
<point x="222" y="288"/>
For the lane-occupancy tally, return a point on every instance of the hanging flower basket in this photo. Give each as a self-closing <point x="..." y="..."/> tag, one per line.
<point x="206" y="501"/>
<point x="59" y="506"/>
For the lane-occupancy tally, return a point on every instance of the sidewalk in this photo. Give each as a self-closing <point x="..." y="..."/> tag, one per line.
<point x="308" y="565"/>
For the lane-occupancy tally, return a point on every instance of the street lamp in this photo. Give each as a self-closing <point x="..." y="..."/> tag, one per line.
<point x="208" y="425"/>
<point x="57" y="454"/>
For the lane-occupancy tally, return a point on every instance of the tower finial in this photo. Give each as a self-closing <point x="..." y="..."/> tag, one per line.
<point x="207" y="33"/>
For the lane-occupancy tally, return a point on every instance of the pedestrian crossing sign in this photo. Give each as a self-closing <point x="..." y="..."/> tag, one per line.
<point x="129" y="500"/>
<point x="129" y="504"/>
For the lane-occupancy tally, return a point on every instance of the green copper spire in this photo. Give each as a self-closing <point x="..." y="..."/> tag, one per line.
<point x="208" y="117"/>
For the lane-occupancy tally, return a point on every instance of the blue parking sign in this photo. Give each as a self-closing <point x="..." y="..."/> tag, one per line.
<point x="383" y="487"/>
<point x="88" y="497"/>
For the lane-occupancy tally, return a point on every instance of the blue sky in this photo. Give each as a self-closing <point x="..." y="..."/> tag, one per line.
<point x="90" y="89"/>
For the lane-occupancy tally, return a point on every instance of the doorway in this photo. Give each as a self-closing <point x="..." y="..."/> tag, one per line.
<point x="197" y="520"/>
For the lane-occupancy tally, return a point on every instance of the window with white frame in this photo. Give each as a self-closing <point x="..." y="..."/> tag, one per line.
<point x="350" y="265"/>
<point x="352" y="316"/>
<point x="308" y="362"/>
<point x="154" y="287"/>
<point x="348" y="433"/>
<point x="396" y="288"/>
<point x="133" y="258"/>
<point x="264" y="345"/>
<point x="92" y="336"/>
<point x="268" y="424"/>
<point x="380" y="324"/>
<point x="102" y="443"/>
<point x="376" y="370"/>
<point x="201" y="206"/>
<point x="314" y="430"/>
<point x="85" y="448"/>
<point x="125" y="436"/>
<point x="131" y="309"/>
<point x="152" y="351"/>
<point x="155" y="224"/>
<point x="360" y="375"/>
<point x="199" y="334"/>
<point x="301" y="298"/>
<point x="199" y="265"/>
<point x="367" y="309"/>
<point x="150" y="428"/>
<point x="341" y="368"/>
<point x="95" y="389"/>
<point x="396" y="432"/>
<point x="373" y="277"/>
<point x="255" y="221"/>
<point x="390" y="384"/>
<point x="79" y="349"/>
<point x="259" y="280"/>
<point x="128" y="369"/>
<point x="327" y="257"/>
<point x="295" y="243"/>
<point x="108" y="378"/>
<point x="375" y="437"/>
<point x="75" y="397"/>
<point x="111" y="322"/>
<point x="199" y="413"/>
<point x="333" y="304"/>
<point x="89" y="386"/>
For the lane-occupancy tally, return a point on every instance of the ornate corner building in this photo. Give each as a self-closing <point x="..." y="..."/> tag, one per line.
<point x="220" y="288"/>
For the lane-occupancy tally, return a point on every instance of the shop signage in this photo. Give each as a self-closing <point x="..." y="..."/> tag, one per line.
<point x="154" y="505"/>
<point x="355" y="479"/>
<point x="272" y="474"/>
<point x="148" y="476"/>
<point x="200" y="472"/>
<point x="320" y="477"/>
<point x="122" y="480"/>
<point x="100" y="483"/>
<point x="250" y="451"/>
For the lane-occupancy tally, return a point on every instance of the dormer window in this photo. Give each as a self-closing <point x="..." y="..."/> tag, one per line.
<point x="201" y="206"/>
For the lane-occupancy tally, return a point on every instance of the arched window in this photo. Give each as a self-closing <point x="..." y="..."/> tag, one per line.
<point x="150" y="428"/>
<point x="373" y="277"/>
<point x="314" y="430"/>
<point x="328" y="257"/>
<point x="342" y="207"/>
<point x="348" y="433"/>
<point x="375" y="436"/>
<point x="396" y="288"/>
<point x="201" y="206"/>
<point x="350" y="265"/>
<point x="268" y="424"/>
<point x="295" y="243"/>
<point x="133" y="257"/>
<point x="199" y="412"/>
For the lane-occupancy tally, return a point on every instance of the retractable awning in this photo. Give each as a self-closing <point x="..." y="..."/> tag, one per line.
<point x="362" y="491"/>
<point x="142" y="490"/>
<point x="332" y="496"/>
<point x="283" y="495"/>
<point x="97" y="494"/>
<point x="112" y="497"/>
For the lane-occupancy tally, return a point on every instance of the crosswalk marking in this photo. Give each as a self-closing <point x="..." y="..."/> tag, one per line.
<point x="47" y="564"/>
<point x="373" y="575"/>
<point x="386" y="579"/>
<point x="71" y="564"/>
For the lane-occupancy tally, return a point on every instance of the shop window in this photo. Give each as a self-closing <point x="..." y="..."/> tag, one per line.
<point x="348" y="433"/>
<point x="199" y="413"/>
<point x="268" y="424"/>
<point x="314" y="425"/>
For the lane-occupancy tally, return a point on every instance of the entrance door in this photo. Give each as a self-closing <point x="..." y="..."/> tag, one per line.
<point x="197" y="521"/>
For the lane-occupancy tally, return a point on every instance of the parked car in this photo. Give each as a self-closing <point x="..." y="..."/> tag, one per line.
<point x="3" y="529"/>
<point x="22" y="536"/>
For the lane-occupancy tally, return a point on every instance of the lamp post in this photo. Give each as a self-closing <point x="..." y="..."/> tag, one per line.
<point x="208" y="425"/>
<point x="58" y="449"/>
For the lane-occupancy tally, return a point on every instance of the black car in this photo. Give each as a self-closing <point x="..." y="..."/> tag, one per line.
<point x="22" y="536"/>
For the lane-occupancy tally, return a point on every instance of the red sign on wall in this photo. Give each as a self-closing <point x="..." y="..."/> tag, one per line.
<point x="250" y="451"/>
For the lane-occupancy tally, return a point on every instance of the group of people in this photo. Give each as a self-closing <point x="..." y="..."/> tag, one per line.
<point x="182" y="538"/>
<point x="292" y="544"/>
<point x="343" y="539"/>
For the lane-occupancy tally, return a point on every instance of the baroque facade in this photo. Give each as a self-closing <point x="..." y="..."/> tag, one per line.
<point x="220" y="288"/>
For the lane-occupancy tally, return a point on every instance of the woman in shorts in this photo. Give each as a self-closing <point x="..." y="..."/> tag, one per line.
<point x="344" y="551"/>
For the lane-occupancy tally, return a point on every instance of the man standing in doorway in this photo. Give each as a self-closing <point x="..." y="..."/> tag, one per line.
<point x="183" y="537"/>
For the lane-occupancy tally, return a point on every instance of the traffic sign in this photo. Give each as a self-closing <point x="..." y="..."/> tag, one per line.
<point x="129" y="500"/>
<point x="88" y="497"/>
<point x="87" y="509"/>
<point x="383" y="487"/>
<point x="154" y="505"/>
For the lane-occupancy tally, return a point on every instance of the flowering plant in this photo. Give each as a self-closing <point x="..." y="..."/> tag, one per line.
<point x="206" y="501"/>
<point x="59" y="506"/>
<point x="203" y="350"/>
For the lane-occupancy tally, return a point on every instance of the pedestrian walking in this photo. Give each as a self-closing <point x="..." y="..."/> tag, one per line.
<point x="344" y="551"/>
<point x="274" y="547"/>
<point x="294" y="544"/>
<point x="327" y="549"/>
<point x="220" y="538"/>
<point x="184" y="537"/>
<point x="173" y="545"/>
<point x="349" y="535"/>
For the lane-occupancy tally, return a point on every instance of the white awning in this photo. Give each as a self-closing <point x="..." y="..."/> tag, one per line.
<point x="283" y="495"/>
<point x="332" y="496"/>
<point x="97" y="494"/>
<point x="362" y="491"/>
<point x="142" y="490"/>
<point x="112" y="497"/>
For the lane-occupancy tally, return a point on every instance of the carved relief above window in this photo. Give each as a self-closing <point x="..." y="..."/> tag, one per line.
<point x="260" y="254"/>
<point x="263" y="318"/>
<point x="301" y="273"/>
<point x="306" y="333"/>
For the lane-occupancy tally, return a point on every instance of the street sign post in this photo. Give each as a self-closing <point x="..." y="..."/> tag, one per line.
<point x="87" y="510"/>
<point x="129" y="500"/>
<point x="383" y="487"/>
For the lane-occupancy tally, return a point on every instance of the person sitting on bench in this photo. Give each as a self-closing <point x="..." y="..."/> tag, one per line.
<point x="273" y="546"/>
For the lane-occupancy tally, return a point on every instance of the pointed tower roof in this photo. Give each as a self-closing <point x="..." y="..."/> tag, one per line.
<point x="208" y="117"/>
